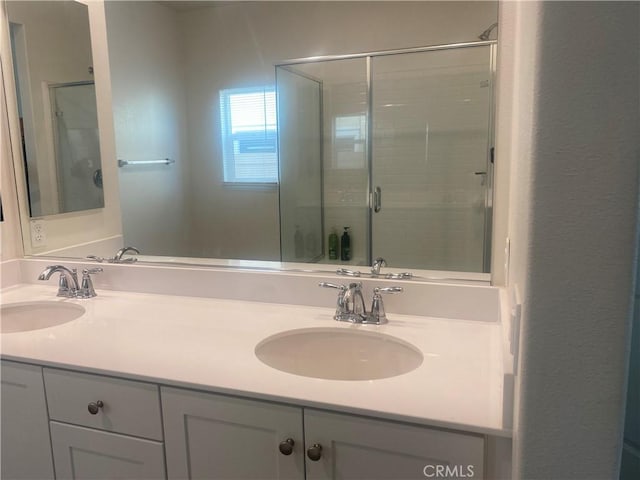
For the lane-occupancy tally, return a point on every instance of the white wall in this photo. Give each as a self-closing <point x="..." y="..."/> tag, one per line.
<point x="145" y="54"/>
<point x="237" y="45"/>
<point x="574" y="149"/>
<point x="78" y="227"/>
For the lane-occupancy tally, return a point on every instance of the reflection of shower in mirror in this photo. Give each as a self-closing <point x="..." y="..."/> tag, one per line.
<point x="57" y="106"/>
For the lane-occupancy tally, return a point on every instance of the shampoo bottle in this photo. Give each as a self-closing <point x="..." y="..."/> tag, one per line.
<point x="333" y="245"/>
<point x="345" y="245"/>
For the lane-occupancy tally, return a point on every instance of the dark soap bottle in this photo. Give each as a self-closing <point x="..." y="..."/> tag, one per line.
<point x="345" y="245"/>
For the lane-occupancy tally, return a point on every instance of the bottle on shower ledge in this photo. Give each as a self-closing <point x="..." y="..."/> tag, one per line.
<point x="334" y="245"/>
<point x="345" y="246"/>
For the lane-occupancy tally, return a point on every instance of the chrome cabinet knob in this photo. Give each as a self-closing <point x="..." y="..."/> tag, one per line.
<point x="286" y="446"/>
<point x="94" y="407"/>
<point x="314" y="452"/>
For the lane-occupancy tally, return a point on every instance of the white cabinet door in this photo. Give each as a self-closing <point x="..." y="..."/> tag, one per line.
<point x="214" y="437"/>
<point x="362" y="448"/>
<point x="26" y="448"/>
<point x="82" y="453"/>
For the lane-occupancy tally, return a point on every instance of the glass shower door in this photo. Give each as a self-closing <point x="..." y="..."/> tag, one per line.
<point x="299" y="100"/>
<point x="77" y="146"/>
<point x="430" y="168"/>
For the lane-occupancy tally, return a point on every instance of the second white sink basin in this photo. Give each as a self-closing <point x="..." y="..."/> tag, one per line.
<point x="339" y="354"/>
<point x="22" y="317"/>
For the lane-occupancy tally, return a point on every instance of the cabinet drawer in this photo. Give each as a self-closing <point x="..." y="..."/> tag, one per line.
<point x="128" y="407"/>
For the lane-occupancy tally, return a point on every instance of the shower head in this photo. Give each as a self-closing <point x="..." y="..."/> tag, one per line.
<point x="485" y="35"/>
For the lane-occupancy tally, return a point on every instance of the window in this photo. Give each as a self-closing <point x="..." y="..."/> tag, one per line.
<point x="249" y="135"/>
<point x="349" y="137"/>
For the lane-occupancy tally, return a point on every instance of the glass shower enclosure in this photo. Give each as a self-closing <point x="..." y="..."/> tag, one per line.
<point x="395" y="145"/>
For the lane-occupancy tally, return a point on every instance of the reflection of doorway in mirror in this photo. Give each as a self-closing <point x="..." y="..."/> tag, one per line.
<point x="53" y="70"/>
<point x="76" y="146"/>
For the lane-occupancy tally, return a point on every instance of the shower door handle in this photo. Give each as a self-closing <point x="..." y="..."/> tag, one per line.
<point x="377" y="199"/>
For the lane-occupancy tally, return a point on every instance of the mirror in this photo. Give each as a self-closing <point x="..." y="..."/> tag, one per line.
<point x="56" y="101"/>
<point x="229" y="150"/>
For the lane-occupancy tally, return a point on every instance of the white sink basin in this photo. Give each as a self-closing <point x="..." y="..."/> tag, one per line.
<point x="339" y="354"/>
<point x="22" y="317"/>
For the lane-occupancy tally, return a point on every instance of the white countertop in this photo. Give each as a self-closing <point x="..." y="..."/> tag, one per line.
<point x="208" y="344"/>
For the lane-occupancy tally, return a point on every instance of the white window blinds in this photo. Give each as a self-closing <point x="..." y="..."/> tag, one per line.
<point x="249" y="135"/>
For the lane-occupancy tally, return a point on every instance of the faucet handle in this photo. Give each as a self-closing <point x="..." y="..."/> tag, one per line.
<point x="91" y="271"/>
<point x="95" y="258"/>
<point x="378" y="315"/>
<point x="348" y="273"/>
<point x="399" y="276"/>
<point x="87" y="290"/>
<point x="378" y="290"/>
<point x="332" y="285"/>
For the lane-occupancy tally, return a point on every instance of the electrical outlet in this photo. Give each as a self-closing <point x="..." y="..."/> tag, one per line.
<point x="38" y="234"/>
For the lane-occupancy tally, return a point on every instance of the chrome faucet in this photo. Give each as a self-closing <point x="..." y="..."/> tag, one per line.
<point x="350" y="305"/>
<point x="377" y="265"/>
<point x="118" y="256"/>
<point x="67" y="285"/>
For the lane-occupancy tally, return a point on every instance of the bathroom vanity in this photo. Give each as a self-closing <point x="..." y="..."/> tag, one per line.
<point x="158" y="386"/>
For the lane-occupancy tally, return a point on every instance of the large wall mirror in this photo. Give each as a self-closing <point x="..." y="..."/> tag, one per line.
<point x="258" y="131"/>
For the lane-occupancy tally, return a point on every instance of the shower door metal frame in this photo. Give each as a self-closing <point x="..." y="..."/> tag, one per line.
<point x="487" y="238"/>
